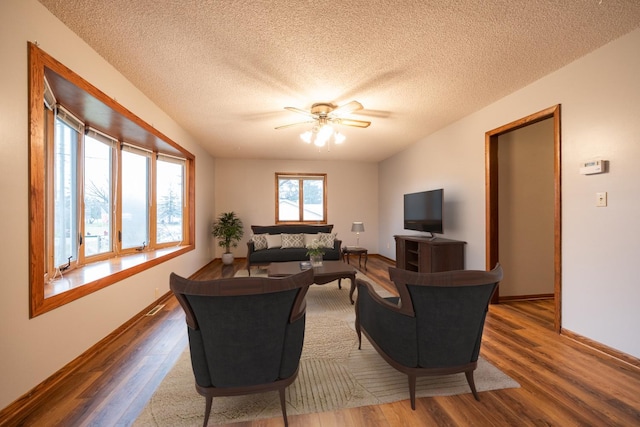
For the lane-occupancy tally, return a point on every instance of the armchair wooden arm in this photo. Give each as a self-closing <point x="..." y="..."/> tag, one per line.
<point x="386" y="303"/>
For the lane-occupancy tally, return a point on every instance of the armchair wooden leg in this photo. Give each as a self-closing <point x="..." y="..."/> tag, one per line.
<point x="412" y="391"/>
<point x="357" y="324"/>
<point x="207" y="410"/>
<point x="469" y="375"/>
<point x="283" y="405"/>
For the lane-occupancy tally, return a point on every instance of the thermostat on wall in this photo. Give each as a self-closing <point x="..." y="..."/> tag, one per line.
<point x="592" y="167"/>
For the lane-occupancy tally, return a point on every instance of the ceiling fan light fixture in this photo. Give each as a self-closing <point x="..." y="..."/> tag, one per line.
<point x="306" y="136"/>
<point x="325" y="132"/>
<point x="324" y="116"/>
<point x="321" y="135"/>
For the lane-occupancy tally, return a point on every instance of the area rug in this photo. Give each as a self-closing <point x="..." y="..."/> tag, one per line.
<point x="333" y="374"/>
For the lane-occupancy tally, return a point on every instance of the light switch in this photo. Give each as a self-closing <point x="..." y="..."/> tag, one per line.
<point x="601" y="199"/>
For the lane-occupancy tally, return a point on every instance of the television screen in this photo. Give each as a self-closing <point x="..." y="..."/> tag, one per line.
<point x="423" y="211"/>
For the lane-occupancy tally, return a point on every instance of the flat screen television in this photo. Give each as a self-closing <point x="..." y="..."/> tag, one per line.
<point x="423" y="211"/>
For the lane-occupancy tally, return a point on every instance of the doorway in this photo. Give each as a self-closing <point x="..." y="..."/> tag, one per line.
<point x="492" y="142"/>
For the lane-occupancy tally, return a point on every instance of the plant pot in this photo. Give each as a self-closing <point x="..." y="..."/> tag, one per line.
<point x="316" y="260"/>
<point x="227" y="258"/>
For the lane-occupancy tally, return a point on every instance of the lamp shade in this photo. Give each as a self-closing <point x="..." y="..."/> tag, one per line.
<point x="357" y="227"/>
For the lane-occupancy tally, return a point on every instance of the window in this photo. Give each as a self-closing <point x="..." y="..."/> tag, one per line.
<point x="98" y="194"/>
<point x="301" y="198"/>
<point x="170" y="199"/>
<point x="63" y="191"/>
<point x="109" y="193"/>
<point x="135" y="199"/>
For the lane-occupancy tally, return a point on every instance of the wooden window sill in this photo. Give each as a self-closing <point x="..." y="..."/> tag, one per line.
<point x="92" y="277"/>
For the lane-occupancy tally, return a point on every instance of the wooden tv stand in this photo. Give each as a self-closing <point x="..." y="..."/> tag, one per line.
<point x="429" y="255"/>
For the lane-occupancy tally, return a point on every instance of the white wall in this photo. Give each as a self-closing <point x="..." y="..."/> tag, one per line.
<point x="600" y="97"/>
<point x="248" y="188"/>
<point x="444" y="160"/>
<point x="33" y="349"/>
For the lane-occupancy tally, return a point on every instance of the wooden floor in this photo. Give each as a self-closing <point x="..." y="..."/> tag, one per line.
<point x="563" y="383"/>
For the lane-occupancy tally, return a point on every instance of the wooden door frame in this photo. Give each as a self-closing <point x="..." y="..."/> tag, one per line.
<point x="491" y="192"/>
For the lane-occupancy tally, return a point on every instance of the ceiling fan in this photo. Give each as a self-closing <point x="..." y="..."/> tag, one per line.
<point x="325" y="113"/>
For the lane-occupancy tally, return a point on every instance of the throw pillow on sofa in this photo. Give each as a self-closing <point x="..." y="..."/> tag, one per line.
<point x="273" y="240"/>
<point x="308" y="238"/>
<point x="326" y="239"/>
<point x="259" y="241"/>
<point x="292" y="240"/>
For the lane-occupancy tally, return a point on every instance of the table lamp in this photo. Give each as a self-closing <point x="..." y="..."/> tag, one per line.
<point x="357" y="227"/>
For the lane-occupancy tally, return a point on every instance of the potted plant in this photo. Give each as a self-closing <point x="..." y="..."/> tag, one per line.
<point x="315" y="252"/>
<point x="228" y="229"/>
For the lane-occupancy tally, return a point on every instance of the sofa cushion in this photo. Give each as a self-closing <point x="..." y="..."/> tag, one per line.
<point x="291" y="229"/>
<point x="279" y="255"/>
<point x="326" y="239"/>
<point x="292" y="240"/>
<point x="259" y="242"/>
<point x="273" y="240"/>
<point x="289" y="254"/>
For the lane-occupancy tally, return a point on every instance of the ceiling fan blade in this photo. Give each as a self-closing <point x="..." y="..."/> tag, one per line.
<point x="346" y="109"/>
<point x="351" y="122"/>
<point x="295" y="124"/>
<point x="303" y="112"/>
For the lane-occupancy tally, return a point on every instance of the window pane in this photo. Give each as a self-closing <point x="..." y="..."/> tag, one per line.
<point x="135" y="200"/>
<point x="97" y="197"/>
<point x="169" y="196"/>
<point x="313" y="200"/>
<point x="65" y="194"/>
<point x="288" y="200"/>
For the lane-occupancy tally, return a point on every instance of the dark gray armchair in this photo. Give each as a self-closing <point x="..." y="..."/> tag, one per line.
<point x="435" y="325"/>
<point x="245" y="334"/>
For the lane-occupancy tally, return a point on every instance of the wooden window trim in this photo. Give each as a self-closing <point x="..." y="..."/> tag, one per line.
<point x="105" y="114"/>
<point x="301" y="176"/>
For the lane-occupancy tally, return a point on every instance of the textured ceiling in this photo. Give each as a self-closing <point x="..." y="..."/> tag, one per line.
<point x="225" y="70"/>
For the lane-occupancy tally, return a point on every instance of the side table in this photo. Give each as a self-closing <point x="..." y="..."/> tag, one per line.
<point x="355" y="250"/>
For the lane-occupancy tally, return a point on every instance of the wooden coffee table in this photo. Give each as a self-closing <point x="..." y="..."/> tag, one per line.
<point x="328" y="272"/>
